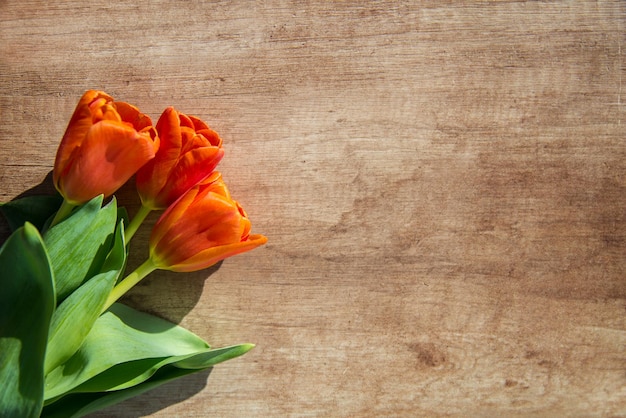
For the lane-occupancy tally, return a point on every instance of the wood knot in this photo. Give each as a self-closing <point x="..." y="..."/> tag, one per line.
<point x="427" y="354"/>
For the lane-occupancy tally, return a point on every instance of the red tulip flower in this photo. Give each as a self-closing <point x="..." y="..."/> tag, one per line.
<point x="105" y="143"/>
<point x="201" y="228"/>
<point x="188" y="154"/>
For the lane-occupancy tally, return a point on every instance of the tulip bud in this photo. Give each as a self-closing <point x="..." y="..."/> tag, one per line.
<point x="189" y="152"/>
<point x="105" y="143"/>
<point x="201" y="228"/>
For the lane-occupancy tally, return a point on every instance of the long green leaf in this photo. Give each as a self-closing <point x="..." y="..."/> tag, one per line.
<point x="27" y="302"/>
<point x="33" y="209"/>
<point x="125" y="375"/>
<point x="212" y="357"/>
<point x="76" y="315"/>
<point x="79" y="244"/>
<point x="122" y="336"/>
<point x="122" y="219"/>
<point x="80" y="404"/>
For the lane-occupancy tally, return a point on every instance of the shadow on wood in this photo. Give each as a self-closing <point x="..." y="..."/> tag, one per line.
<point x="159" y="398"/>
<point x="46" y="187"/>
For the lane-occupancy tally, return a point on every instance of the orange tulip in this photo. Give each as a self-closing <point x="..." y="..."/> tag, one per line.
<point x="105" y="143"/>
<point x="201" y="228"/>
<point x="189" y="152"/>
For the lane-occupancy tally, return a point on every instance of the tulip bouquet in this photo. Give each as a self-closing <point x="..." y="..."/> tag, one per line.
<point x="67" y="346"/>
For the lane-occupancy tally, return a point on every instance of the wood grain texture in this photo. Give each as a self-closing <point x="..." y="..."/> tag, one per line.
<point x="443" y="185"/>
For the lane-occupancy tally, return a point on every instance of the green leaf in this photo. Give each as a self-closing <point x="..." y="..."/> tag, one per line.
<point x="121" y="336"/>
<point x="78" y="245"/>
<point x="76" y="315"/>
<point x="33" y="209"/>
<point x="27" y="302"/>
<point x="80" y="404"/>
<point x="116" y="259"/>
<point x="122" y="215"/>
<point x="122" y="218"/>
<point x="125" y="375"/>
<point x="212" y="357"/>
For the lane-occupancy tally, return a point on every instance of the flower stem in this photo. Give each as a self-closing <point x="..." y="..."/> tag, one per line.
<point x="129" y="281"/>
<point x="63" y="212"/>
<point x="136" y="222"/>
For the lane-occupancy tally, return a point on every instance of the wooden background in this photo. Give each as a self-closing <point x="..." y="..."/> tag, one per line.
<point x="443" y="185"/>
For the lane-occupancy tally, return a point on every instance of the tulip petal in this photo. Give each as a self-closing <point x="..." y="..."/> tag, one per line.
<point x="77" y="129"/>
<point x="186" y="230"/>
<point x="185" y="121"/>
<point x="108" y="156"/>
<point x="153" y="176"/>
<point x="171" y="216"/>
<point x="213" y="255"/>
<point x="188" y="153"/>
<point x="192" y="167"/>
<point x="198" y="124"/>
<point x="129" y="113"/>
<point x="210" y="136"/>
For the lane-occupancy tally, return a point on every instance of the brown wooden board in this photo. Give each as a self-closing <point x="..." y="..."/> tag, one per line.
<point x="443" y="185"/>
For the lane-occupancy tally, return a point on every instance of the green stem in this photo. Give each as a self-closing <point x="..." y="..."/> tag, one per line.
<point x="136" y="222"/>
<point x="129" y="281"/>
<point x="63" y="212"/>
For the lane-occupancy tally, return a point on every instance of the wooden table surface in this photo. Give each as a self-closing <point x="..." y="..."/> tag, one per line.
<point x="443" y="185"/>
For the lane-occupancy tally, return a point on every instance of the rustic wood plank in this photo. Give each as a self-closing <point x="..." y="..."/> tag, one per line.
<point x="443" y="186"/>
